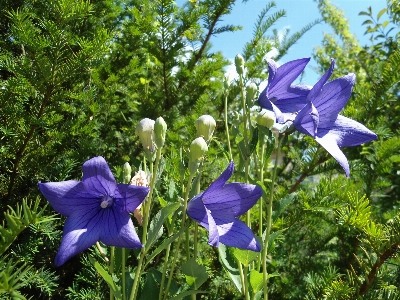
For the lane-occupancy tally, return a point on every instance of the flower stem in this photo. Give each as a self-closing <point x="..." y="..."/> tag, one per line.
<point x="123" y="275"/>
<point x="226" y="125"/>
<point x="164" y="272"/>
<point x="146" y="216"/>
<point x="111" y="268"/>
<point x="260" y="208"/>
<point x="185" y="200"/>
<point x="269" y="219"/>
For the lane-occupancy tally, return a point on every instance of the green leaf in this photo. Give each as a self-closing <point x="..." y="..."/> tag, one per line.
<point x="229" y="263"/>
<point x="363" y="13"/>
<point x="381" y="13"/>
<point x="281" y="206"/>
<point x="196" y="274"/>
<point x="107" y="278"/>
<point x="367" y="22"/>
<point x="256" y="280"/>
<point x="245" y="256"/>
<point x="150" y="289"/>
<point x="156" y="224"/>
<point x="254" y="141"/>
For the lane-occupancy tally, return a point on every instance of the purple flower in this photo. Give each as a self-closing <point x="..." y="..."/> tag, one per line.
<point x="320" y="117"/>
<point x="280" y="95"/>
<point x="97" y="208"/>
<point x="218" y="207"/>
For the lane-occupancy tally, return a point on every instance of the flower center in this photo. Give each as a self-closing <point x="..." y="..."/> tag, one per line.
<point x="107" y="201"/>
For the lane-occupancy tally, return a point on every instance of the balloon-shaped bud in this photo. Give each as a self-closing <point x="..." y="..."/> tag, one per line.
<point x="197" y="149"/>
<point x="266" y="118"/>
<point x="160" y="129"/>
<point x="239" y="63"/>
<point x="251" y="91"/>
<point x="205" y="126"/>
<point x="126" y="173"/>
<point x="145" y="131"/>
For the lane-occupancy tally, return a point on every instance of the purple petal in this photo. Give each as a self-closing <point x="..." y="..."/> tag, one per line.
<point x="235" y="233"/>
<point x="213" y="234"/>
<point x="233" y="199"/>
<point x="272" y="68"/>
<point x="307" y="120"/>
<point x="67" y="196"/>
<point x="329" y="143"/>
<point x="318" y="86"/>
<point x="131" y="195"/>
<point x="332" y="98"/>
<point x="81" y="231"/>
<point x="278" y="114"/>
<point x="347" y="132"/>
<point x="284" y="76"/>
<point x="197" y="211"/>
<point x="116" y="229"/>
<point x="97" y="176"/>
<point x="220" y="181"/>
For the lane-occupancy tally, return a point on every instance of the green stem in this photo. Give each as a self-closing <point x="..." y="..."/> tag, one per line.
<point x="123" y="275"/>
<point x="246" y="283"/>
<point x="111" y="268"/>
<point x="226" y="125"/>
<point x="185" y="200"/>
<point x="146" y="217"/>
<point x="164" y="272"/>
<point x="260" y="208"/>
<point x="269" y="219"/>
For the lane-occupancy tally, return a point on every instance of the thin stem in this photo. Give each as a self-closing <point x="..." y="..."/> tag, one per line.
<point x="260" y="208"/>
<point x="112" y="254"/>
<point x="269" y="219"/>
<point x="241" y="277"/>
<point x="185" y="200"/>
<point x="146" y="217"/>
<point x="226" y="125"/>
<point x="123" y="275"/>
<point x="164" y="272"/>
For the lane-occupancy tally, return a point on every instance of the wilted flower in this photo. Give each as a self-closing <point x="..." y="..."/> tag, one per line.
<point x="320" y="117"/>
<point x="280" y="95"/>
<point x="218" y="207"/>
<point x="205" y="126"/>
<point x="140" y="179"/>
<point x="97" y="208"/>
<point x="145" y="131"/>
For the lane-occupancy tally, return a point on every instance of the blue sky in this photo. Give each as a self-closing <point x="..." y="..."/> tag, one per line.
<point x="298" y="14"/>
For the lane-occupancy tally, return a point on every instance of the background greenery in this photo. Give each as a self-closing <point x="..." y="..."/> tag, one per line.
<point x="77" y="76"/>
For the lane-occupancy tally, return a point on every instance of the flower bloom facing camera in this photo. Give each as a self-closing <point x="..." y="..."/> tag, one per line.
<point x="218" y="207"/>
<point x="97" y="209"/>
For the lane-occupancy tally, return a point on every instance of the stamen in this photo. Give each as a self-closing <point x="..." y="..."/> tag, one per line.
<point x="107" y="201"/>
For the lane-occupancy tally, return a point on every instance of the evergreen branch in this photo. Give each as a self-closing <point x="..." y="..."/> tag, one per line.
<point x="19" y="219"/>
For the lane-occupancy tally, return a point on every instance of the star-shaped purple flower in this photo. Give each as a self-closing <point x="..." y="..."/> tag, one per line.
<point x="280" y="95"/>
<point x="218" y="207"/>
<point x="320" y="117"/>
<point x="97" y="208"/>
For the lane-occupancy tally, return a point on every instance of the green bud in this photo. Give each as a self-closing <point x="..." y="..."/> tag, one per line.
<point x="126" y="172"/>
<point x="251" y="91"/>
<point x="145" y="131"/>
<point x="160" y="129"/>
<point x="239" y="63"/>
<point x="266" y="118"/>
<point x="205" y="126"/>
<point x="227" y="82"/>
<point x="197" y="149"/>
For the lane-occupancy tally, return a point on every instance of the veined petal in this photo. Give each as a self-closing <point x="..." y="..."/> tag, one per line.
<point x="131" y="195"/>
<point x="197" y="211"/>
<point x="284" y="76"/>
<point x="330" y="145"/>
<point x="81" y="231"/>
<point x="67" y="196"/>
<point x="347" y="132"/>
<point x="116" y="229"/>
<point x="233" y="199"/>
<point x="278" y="114"/>
<point x="315" y="91"/>
<point x="213" y="234"/>
<point x="235" y="233"/>
<point x="222" y="179"/>
<point x="97" y="176"/>
<point x="332" y="98"/>
<point x="307" y="120"/>
<point x="272" y="68"/>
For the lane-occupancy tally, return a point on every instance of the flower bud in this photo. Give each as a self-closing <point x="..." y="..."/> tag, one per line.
<point x="205" y="126"/>
<point x="145" y="131"/>
<point x="251" y="91"/>
<point x="126" y="172"/>
<point x="160" y="129"/>
<point x="239" y="63"/>
<point x="266" y="118"/>
<point x="197" y="149"/>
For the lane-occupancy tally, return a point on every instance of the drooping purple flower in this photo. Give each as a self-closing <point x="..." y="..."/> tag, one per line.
<point x="218" y="207"/>
<point x="320" y="117"/>
<point x="280" y="95"/>
<point x="97" y="209"/>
